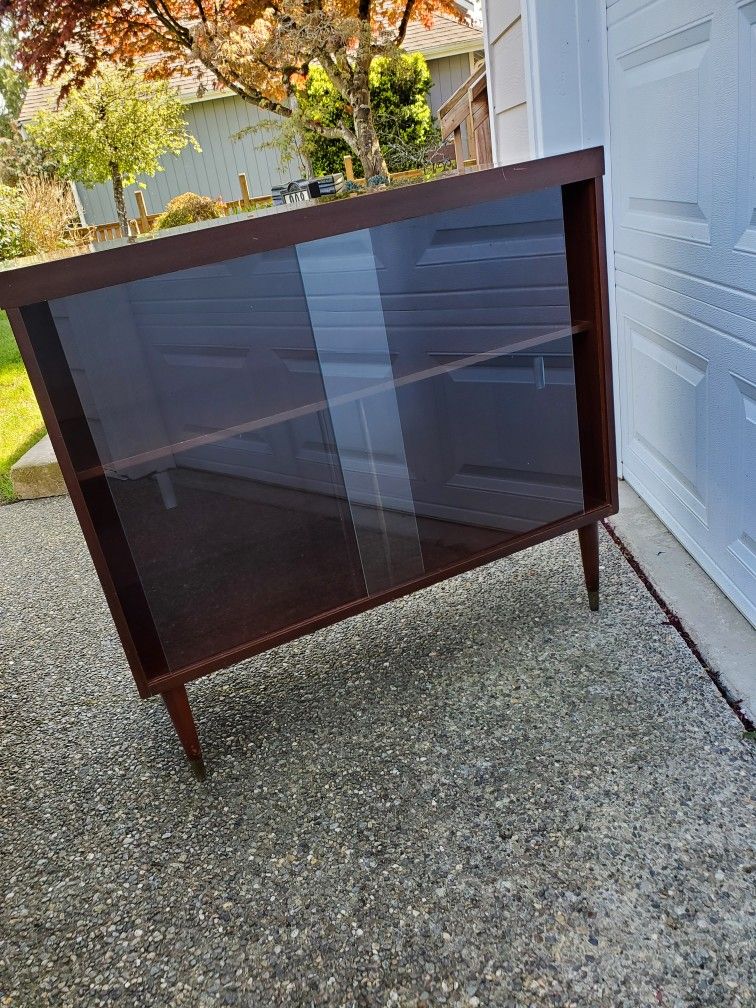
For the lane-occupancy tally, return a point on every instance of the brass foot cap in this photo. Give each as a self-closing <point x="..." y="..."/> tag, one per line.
<point x="198" y="768"/>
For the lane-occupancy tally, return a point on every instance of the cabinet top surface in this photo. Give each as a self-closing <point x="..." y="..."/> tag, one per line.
<point x="97" y="265"/>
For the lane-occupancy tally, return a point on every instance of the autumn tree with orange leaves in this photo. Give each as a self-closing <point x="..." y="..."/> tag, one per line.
<point x="259" y="49"/>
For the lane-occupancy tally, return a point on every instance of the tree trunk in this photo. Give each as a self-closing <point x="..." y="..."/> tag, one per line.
<point x="309" y="171"/>
<point x="304" y="158"/>
<point x="115" y="177"/>
<point x="368" y="148"/>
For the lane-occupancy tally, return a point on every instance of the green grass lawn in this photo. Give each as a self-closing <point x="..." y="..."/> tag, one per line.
<point x="20" y="420"/>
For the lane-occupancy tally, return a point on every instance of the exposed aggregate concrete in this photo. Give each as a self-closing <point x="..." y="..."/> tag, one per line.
<point x="481" y="795"/>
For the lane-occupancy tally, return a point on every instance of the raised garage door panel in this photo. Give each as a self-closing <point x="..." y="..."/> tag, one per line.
<point x="683" y="135"/>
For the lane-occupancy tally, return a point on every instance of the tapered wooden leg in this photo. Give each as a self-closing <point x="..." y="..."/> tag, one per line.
<point x="177" y="703"/>
<point x="589" y="551"/>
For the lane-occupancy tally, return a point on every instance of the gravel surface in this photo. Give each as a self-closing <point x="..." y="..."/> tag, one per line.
<point x="479" y="795"/>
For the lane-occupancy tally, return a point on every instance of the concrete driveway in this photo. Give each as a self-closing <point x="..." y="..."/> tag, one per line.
<point x="480" y="795"/>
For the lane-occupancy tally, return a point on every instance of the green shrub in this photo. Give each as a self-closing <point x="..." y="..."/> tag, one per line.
<point x="188" y="208"/>
<point x="20" y="157"/>
<point x="10" y="235"/>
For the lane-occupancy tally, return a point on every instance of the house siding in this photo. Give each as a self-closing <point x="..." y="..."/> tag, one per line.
<point x="447" y="74"/>
<point x="506" y="81"/>
<point x="215" y="172"/>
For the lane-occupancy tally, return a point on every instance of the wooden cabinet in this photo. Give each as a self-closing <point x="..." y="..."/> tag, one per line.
<point x="271" y="424"/>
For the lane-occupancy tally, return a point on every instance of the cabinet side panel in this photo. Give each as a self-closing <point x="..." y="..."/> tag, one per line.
<point x="63" y="414"/>
<point x="586" y="266"/>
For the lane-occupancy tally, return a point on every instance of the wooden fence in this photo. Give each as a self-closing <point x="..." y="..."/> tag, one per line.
<point x="144" y="222"/>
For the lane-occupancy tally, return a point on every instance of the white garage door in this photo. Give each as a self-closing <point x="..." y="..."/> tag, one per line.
<point x="682" y="77"/>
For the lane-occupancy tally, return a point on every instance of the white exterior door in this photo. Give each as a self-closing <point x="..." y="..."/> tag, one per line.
<point x="682" y="104"/>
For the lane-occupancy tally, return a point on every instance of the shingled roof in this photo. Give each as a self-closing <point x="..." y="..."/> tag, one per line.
<point x="444" y="38"/>
<point x="192" y="87"/>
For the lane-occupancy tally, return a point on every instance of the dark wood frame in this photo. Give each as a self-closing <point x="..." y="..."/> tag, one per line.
<point x="26" y="289"/>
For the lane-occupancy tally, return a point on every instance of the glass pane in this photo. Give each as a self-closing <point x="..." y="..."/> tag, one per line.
<point x="204" y="396"/>
<point x="346" y="312"/>
<point x="474" y="438"/>
<point x="291" y="431"/>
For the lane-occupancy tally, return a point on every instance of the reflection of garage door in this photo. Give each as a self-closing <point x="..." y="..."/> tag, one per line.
<point x="208" y="349"/>
<point x="683" y="146"/>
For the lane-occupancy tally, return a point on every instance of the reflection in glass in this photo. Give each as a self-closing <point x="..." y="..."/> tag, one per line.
<point x="346" y="313"/>
<point x="291" y="431"/>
